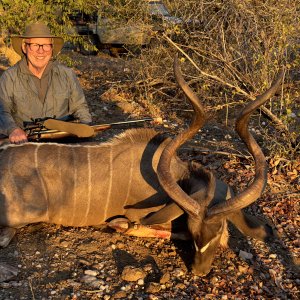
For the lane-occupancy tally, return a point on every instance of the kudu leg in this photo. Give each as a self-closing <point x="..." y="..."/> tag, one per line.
<point x="163" y="231"/>
<point x="124" y="226"/>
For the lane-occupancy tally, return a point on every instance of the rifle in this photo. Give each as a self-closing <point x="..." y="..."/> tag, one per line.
<point x="57" y="129"/>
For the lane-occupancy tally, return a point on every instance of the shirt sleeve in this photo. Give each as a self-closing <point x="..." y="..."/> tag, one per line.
<point x="78" y="105"/>
<point x="7" y="123"/>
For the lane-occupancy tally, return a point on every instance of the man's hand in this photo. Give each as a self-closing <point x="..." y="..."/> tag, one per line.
<point x="18" y="136"/>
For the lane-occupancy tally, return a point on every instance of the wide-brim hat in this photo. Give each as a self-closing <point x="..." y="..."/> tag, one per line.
<point x="37" y="30"/>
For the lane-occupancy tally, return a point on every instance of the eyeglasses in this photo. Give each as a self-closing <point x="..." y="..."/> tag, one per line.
<point x="36" y="47"/>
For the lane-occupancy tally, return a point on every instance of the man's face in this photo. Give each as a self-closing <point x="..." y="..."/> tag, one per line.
<point x="38" y="56"/>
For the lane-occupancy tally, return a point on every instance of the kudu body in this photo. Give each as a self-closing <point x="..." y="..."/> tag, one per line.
<point x="83" y="185"/>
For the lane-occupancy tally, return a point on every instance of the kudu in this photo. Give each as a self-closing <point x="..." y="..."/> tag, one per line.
<point x="207" y="215"/>
<point x="85" y="185"/>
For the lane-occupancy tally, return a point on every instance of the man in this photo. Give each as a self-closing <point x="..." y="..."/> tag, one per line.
<point x="37" y="86"/>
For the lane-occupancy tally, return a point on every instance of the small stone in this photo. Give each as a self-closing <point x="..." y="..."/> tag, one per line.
<point x="7" y="272"/>
<point x="181" y="286"/>
<point x="178" y="272"/>
<point x="96" y="283"/>
<point x="84" y="262"/>
<point x="121" y="245"/>
<point x="272" y="256"/>
<point x="131" y="273"/>
<point x="88" y="278"/>
<point x="243" y="269"/>
<point x="153" y="287"/>
<point x="5" y="285"/>
<point x="245" y="255"/>
<point x="91" y="272"/>
<point x="165" y="278"/>
<point x="147" y="268"/>
<point x="214" y="280"/>
<point x="64" y="244"/>
<point x="140" y="282"/>
<point x="120" y="294"/>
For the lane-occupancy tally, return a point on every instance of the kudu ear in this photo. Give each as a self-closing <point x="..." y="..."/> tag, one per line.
<point x="255" y="189"/>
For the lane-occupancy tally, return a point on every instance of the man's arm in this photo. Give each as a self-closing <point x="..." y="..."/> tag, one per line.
<point x="78" y="104"/>
<point x="8" y="126"/>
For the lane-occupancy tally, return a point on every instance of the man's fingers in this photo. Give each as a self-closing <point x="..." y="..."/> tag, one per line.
<point x="18" y="136"/>
<point x="20" y="142"/>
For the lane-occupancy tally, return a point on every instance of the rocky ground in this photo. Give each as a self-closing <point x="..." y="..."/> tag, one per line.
<point x="54" y="262"/>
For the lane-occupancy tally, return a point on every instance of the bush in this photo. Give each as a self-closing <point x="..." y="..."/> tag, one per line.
<point x="235" y="49"/>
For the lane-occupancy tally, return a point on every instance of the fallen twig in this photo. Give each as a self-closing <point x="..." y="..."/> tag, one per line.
<point x="192" y="148"/>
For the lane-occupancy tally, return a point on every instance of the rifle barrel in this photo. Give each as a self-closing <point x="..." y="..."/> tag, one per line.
<point x="109" y="125"/>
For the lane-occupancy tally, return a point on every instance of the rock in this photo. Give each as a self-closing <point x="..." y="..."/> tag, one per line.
<point x="64" y="244"/>
<point x="87" y="278"/>
<point x="7" y="272"/>
<point x="91" y="272"/>
<point x="96" y="283"/>
<point x="243" y="269"/>
<point x="153" y="287"/>
<point x="131" y="273"/>
<point x="6" y="235"/>
<point x="165" y="278"/>
<point x="178" y="272"/>
<point x="119" y="295"/>
<point x="181" y="286"/>
<point x="245" y="255"/>
<point x="147" y="268"/>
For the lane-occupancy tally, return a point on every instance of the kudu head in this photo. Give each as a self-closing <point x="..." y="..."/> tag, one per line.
<point x="206" y="220"/>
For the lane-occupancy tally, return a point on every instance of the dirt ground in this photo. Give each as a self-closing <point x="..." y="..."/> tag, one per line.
<point x="55" y="262"/>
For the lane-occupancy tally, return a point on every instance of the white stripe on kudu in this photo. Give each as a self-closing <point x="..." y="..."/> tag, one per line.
<point x="89" y="184"/>
<point x="60" y="176"/>
<point x="41" y="179"/>
<point x="74" y="219"/>
<point x="110" y="176"/>
<point x="129" y="185"/>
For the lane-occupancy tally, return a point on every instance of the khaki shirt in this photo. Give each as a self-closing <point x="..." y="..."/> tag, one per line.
<point x="21" y="98"/>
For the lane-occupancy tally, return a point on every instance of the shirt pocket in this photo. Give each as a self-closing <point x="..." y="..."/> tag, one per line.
<point x="25" y="106"/>
<point x="61" y="103"/>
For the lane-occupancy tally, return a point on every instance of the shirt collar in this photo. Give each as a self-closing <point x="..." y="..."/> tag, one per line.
<point x="24" y="67"/>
